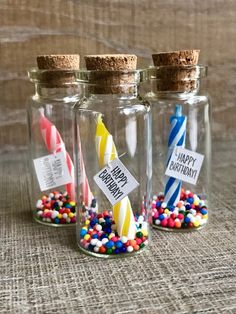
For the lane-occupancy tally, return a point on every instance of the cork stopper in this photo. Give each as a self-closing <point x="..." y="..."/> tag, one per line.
<point x="107" y="76"/>
<point x="176" y="58"/>
<point x="59" y="69"/>
<point x="176" y="70"/>
<point x="58" y="62"/>
<point x="114" y="62"/>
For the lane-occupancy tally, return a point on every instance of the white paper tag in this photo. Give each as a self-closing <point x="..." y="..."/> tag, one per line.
<point x="184" y="165"/>
<point x="115" y="181"/>
<point x="52" y="171"/>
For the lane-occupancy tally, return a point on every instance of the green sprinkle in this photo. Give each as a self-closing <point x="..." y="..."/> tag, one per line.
<point x="139" y="234"/>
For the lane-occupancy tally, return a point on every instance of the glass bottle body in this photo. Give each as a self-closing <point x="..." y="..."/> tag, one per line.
<point x="181" y="127"/>
<point x="51" y="148"/>
<point x="113" y="128"/>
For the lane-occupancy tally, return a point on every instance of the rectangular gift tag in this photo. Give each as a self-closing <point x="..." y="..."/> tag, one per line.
<point x="52" y="171"/>
<point x="115" y="181"/>
<point x="184" y="165"/>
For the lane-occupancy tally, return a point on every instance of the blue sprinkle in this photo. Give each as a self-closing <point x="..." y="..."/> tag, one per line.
<point x="109" y="244"/>
<point x="57" y="220"/>
<point x="93" y="222"/>
<point x="161" y="217"/>
<point x="203" y="211"/>
<point x="116" y="251"/>
<point x="190" y="200"/>
<point x="118" y="244"/>
<point x="107" y="230"/>
<point x="94" y="236"/>
<point x="186" y="220"/>
<point x="158" y="204"/>
<point x="123" y="249"/>
<point x="83" y="232"/>
<point x="171" y="208"/>
<point x="68" y="206"/>
<point x="188" y="206"/>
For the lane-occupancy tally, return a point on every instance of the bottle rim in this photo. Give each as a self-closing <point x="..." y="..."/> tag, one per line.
<point x="164" y="72"/>
<point x="86" y="76"/>
<point x="48" y="76"/>
<point x="110" y="77"/>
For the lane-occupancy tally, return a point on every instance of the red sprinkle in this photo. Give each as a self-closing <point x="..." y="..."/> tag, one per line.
<point x="171" y="223"/>
<point x="102" y="249"/>
<point x="180" y="216"/>
<point x="164" y="222"/>
<point x="173" y="216"/>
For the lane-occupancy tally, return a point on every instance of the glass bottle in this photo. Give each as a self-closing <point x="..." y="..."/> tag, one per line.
<point x="181" y="128"/>
<point x="50" y="112"/>
<point x="113" y="127"/>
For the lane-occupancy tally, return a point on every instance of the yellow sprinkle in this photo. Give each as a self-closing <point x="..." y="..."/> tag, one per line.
<point x="46" y="210"/>
<point x="87" y="222"/>
<point x="144" y="232"/>
<point x="205" y="216"/>
<point x="72" y="203"/>
<point x="166" y="211"/>
<point x="111" y="235"/>
<point x="85" y="228"/>
<point x="59" y="216"/>
<point x="196" y="223"/>
<point x="71" y="215"/>
<point x="87" y="237"/>
<point x="196" y="202"/>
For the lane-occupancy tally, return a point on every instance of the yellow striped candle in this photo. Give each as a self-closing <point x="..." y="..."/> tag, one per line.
<point x="122" y="211"/>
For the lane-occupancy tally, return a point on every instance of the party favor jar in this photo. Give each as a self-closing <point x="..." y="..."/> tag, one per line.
<point x="51" y="139"/>
<point x="113" y="159"/>
<point x="181" y="141"/>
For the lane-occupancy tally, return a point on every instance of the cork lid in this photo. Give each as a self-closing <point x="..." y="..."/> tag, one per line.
<point x="57" y="70"/>
<point x="111" y="73"/>
<point x="58" y="62"/>
<point x="111" y="62"/>
<point x="177" y="70"/>
<point x="175" y="58"/>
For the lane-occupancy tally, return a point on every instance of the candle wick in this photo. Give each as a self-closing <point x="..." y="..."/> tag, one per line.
<point x="178" y="110"/>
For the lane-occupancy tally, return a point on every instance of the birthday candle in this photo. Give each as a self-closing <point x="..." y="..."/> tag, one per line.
<point x="122" y="211"/>
<point x="176" y="138"/>
<point x="55" y="144"/>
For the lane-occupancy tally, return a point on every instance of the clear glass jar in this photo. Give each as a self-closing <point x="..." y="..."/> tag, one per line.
<point x="113" y="123"/>
<point x="51" y="146"/>
<point x="181" y="117"/>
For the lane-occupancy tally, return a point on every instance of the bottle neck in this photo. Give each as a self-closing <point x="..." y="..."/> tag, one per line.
<point x="120" y="84"/>
<point x="117" y="91"/>
<point x="180" y="90"/>
<point x="176" y="81"/>
<point x="57" y="93"/>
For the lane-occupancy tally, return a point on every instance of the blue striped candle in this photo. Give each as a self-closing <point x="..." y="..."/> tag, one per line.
<point x="176" y="138"/>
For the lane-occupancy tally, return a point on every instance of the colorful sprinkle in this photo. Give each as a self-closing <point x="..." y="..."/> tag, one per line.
<point x="56" y="208"/>
<point x="99" y="234"/>
<point x="190" y="212"/>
